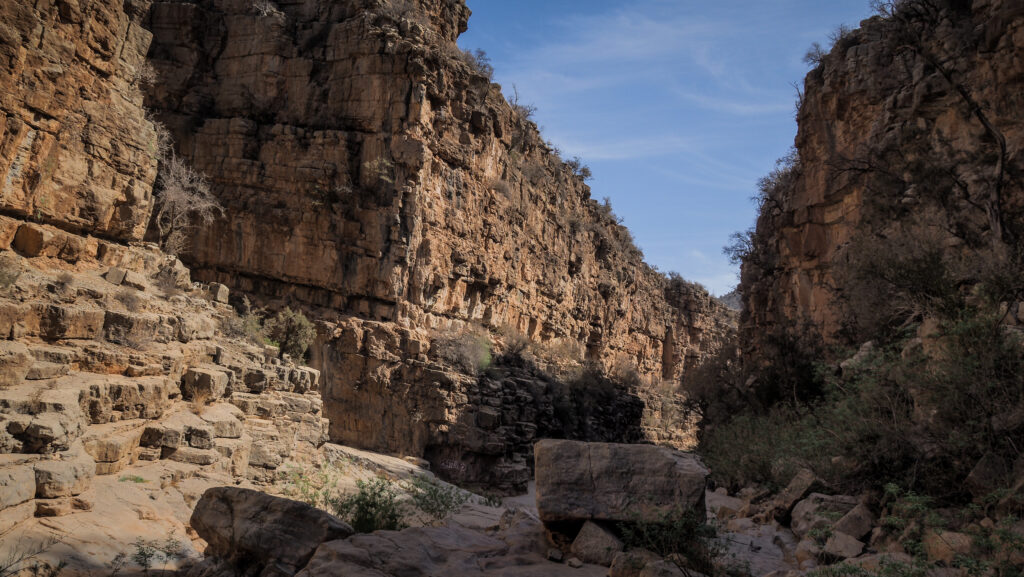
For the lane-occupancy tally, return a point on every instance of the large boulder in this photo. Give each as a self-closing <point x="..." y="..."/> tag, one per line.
<point x="251" y="529"/>
<point x="579" y="481"/>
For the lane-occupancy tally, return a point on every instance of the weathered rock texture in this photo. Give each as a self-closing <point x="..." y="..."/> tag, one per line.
<point x="373" y="175"/>
<point x="100" y="380"/>
<point x="76" y="149"/>
<point x="579" y="482"/>
<point x="899" y="134"/>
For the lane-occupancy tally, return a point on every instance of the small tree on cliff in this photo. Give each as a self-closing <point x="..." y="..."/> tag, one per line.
<point x="182" y="201"/>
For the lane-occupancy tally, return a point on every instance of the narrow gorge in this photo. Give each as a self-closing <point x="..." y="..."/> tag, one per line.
<point x="292" y="288"/>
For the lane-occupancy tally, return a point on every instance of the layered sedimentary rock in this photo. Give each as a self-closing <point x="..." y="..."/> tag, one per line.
<point x="76" y="149"/>
<point x="373" y="174"/>
<point x="910" y="128"/>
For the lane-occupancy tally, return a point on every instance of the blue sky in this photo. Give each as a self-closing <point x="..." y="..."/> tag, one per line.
<point x="678" y="106"/>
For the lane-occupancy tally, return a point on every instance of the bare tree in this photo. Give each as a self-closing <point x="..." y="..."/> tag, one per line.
<point x="183" y="201"/>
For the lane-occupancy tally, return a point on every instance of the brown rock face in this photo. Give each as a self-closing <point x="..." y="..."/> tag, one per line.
<point x="253" y="527"/>
<point x="613" y="482"/>
<point x="373" y="175"/>
<point x="75" y="147"/>
<point x="899" y="135"/>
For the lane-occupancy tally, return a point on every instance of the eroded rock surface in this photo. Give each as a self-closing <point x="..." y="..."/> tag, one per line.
<point x="76" y="148"/>
<point x="891" y="145"/>
<point x="373" y="175"/>
<point x="577" y="482"/>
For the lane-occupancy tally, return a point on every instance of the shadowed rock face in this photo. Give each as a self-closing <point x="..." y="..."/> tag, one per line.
<point x="890" y="142"/>
<point x="372" y="175"/>
<point x="578" y="482"/>
<point x="75" y="147"/>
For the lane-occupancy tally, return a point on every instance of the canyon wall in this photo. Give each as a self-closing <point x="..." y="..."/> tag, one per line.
<point x="76" y="149"/>
<point x="910" y="128"/>
<point x="374" y="176"/>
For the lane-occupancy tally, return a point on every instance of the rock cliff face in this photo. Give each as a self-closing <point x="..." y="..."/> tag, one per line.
<point x="910" y="128"/>
<point x="373" y="174"/>
<point x="76" y="149"/>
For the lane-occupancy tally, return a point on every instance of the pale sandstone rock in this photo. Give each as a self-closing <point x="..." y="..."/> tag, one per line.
<point x="631" y="563"/>
<point x="15" y="363"/>
<point x="614" y="482"/>
<point x="208" y="383"/>
<point x="945" y="546"/>
<point x="64" y="478"/>
<point x="115" y="275"/>
<point x="41" y="370"/>
<point x="843" y="546"/>
<point x="225" y="419"/>
<point x="252" y="527"/>
<point x="17" y="485"/>
<point x="596" y="544"/>
<point x="815" y="511"/>
<point x="857" y="523"/>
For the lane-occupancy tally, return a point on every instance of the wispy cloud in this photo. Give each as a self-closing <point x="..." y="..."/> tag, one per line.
<point x="734" y="107"/>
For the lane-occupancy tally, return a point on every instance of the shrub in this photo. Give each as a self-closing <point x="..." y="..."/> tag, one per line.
<point x="478" y="62"/>
<point x="524" y="111"/>
<point x="373" y="507"/>
<point x="293" y="332"/>
<point x="315" y="487"/>
<point x="436" y="500"/>
<point x="148" y="552"/>
<point x="265" y="8"/>
<point x="470" y="351"/>
<point x="143" y="75"/>
<point x="684" y="538"/>
<point x="583" y="172"/>
<point x="514" y="342"/>
<point x="380" y="170"/>
<point x="247" y="324"/>
<point x="500" y="186"/>
<point x="10" y="271"/>
<point x="130" y="298"/>
<point x="181" y="201"/>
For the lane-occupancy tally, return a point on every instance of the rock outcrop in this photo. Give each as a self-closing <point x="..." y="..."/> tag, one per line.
<point x="111" y="373"/>
<point x="910" y="128"/>
<point x="76" y="148"/>
<point x="262" y="533"/>
<point x="296" y="539"/>
<point x="579" y="482"/>
<point x="374" y="176"/>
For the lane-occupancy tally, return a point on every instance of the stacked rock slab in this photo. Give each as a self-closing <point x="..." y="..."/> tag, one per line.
<point x="99" y="376"/>
<point x="76" y="148"/>
<point x="374" y="175"/>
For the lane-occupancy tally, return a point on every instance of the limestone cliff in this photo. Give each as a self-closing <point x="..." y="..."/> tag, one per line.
<point x="373" y="174"/>
<point x="909" y="129"/>
<point x="76" y="149"/>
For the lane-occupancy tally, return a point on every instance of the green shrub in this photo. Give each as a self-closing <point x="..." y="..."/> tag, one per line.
<point x="478" y="62"/>
<point x="373" y="507"/>
<point x="686" y="539"/>
<point x="312" y="486"/>
<point x="436" y="500"/>
<point x="292" y="330"/>
<point x="471" y="351"/>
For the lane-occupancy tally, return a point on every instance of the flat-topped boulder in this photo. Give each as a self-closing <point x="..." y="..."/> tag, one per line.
<point x="242" y="525"/>
<point x="579" y="481"/>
